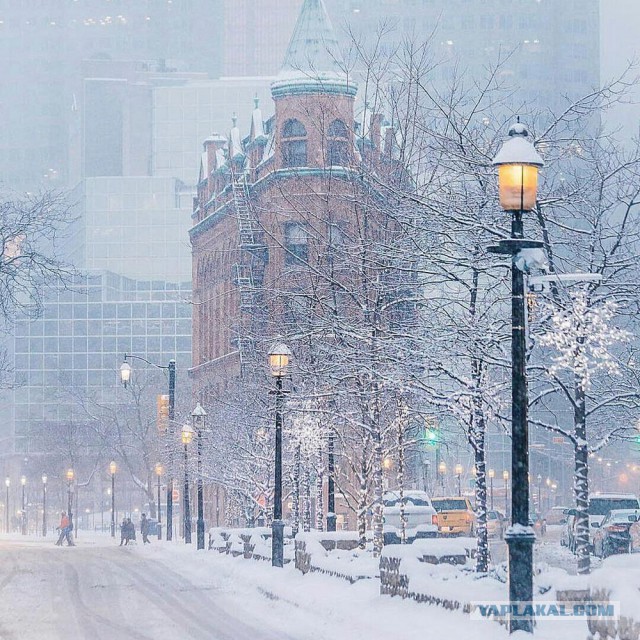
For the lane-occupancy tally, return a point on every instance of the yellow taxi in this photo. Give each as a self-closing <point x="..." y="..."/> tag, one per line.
<point x="455" y="516"/>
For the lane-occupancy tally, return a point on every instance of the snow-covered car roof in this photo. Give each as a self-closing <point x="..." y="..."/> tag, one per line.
<point x="613" y="496"/>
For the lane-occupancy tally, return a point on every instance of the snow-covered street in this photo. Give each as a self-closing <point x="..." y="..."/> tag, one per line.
<point x="100" y="591"/>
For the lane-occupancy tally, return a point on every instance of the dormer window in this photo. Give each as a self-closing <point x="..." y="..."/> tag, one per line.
<point x="338" y="144"/>
<point x="294" y="144"/>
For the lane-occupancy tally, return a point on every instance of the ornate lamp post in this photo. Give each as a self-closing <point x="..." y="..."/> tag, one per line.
<point x="198" y="415"/>
<point x="492" y="475"/>
<point x="539" y="479"/>
<point x="187" y="437"/>
<point x="159" y="470"/>
<point x="23" y="517"/>
<point x="7" y="482"/>
<point x="112" y="470"/>
<point x="44" y="505"/>
<point x="125" y="376"/>
<point x="279" y="359"/>
<point x="458" y="478"/>
<point x="442" y="470"/>
<point x="518" y="164"/>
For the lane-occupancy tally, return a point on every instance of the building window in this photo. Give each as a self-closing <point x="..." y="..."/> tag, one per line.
<point x="294" y="144"/>
<point x="295" y="243"/>
<point x="338" y="144"/>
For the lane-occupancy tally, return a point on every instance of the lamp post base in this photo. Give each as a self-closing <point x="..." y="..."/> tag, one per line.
<point x="331" y="521"/>
<point x="520" y="541"/>
<point x="277" y="543"/>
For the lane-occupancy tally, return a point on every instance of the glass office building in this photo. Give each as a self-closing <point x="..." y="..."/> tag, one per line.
<point x="68" y="360"/>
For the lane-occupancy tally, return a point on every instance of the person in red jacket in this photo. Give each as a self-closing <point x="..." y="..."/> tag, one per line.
<point x="62" y="527"/>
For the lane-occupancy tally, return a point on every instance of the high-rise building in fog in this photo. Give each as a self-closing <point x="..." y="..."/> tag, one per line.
<point x="42" y="46"/>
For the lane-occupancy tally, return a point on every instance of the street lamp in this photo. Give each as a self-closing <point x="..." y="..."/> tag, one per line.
<point x="187" y="437"/>
<point x="458" y="476"/>
<point x="44" y="505"/>
<point x="158" y="474"/>
<point x="539" y="479"/>
<point x="112" y="470"/>
<point x="23" y="523"/>
<point x="7" y="482"/>
<point x="199" y="415"/>
<point x="518" y="164"/>
<point x="492" y="475"/>
<point x="125" y="377"/>
<point x="442" y="470"/>
<point x="279" y="359"/>
<point x="70" y="476"/>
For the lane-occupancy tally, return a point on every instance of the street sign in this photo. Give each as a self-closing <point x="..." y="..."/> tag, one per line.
<point x="558" y="440"/>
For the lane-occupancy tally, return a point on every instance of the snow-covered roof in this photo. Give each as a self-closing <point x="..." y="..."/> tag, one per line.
<point x="313" y="62"/>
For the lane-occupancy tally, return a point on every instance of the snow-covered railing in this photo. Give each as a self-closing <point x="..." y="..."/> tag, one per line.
<point x="436" y="571"/>
<point x="335" y="554"/>
<point x="251" y="544"/>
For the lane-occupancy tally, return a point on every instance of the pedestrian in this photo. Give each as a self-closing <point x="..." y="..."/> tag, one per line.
<point x="144" y="529"/>
<point x="69" y="531"/>
<point x="131" y="532"/>
<point x="62" y="528"/>
<point x="123" y="532"/>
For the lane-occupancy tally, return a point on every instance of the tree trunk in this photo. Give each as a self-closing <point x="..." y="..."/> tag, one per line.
<point x="319" y="488"/>
<point x="581" y="481"/>
<point x="306" y="495"/>
<point x="362" y="502"/>
<point x="482" y="542"/>
<point x="295" y="496"/>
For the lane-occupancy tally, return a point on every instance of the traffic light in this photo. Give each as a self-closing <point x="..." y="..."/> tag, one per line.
<point x="162" y="402"/>
<point x="431" y="433"/>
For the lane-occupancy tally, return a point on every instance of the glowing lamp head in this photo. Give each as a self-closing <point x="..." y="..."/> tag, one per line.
<point x="505" y="475"/>
<point x="458" y="469"/>
<point x="279" y="359"/>
<point x="442" y="467"/>
<point x="125" y="373"/>
<point x="23" y="480"/>
<point x="70" y="475"/>
<point x="518" y="164"/>
<point x="387" y="463"/>
<point x="7" y="482"/>
<point x="492" y="473"/>
<point x="113" y="468"/>
<point x="187" y="434"/>
<point x="44" y="478"/>
<point x="158" y="469"/>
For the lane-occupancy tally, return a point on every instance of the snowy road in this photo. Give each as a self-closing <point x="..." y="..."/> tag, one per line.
<point x="104" y="592"/>
<point x="169" y="591"/>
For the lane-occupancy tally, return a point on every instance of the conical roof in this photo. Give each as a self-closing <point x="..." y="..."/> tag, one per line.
<point x="313" y="62"/>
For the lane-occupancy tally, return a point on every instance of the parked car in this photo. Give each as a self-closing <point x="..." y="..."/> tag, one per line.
<point x="556" y="515"/>
<point x="455" y="516"/>
<point x="420" y="517"/>
<point x="495" y="524"/>
<point x="538" y="523"/>
<point x="600" y="504"/>
<point x="613" y="534"/>
<point x="634" y="536"/>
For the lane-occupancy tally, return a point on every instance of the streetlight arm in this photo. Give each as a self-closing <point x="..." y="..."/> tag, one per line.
<point x="151" y="364"/>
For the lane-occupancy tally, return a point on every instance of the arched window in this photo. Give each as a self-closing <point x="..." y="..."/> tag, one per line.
<point x="294" y="144"/>
<point x="338" y="144"/>
<point x="293" y="129"/>
<point x="338" y="129"/>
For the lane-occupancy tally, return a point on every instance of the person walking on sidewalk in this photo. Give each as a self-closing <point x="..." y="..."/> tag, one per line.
<point x="144" y="529"/>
